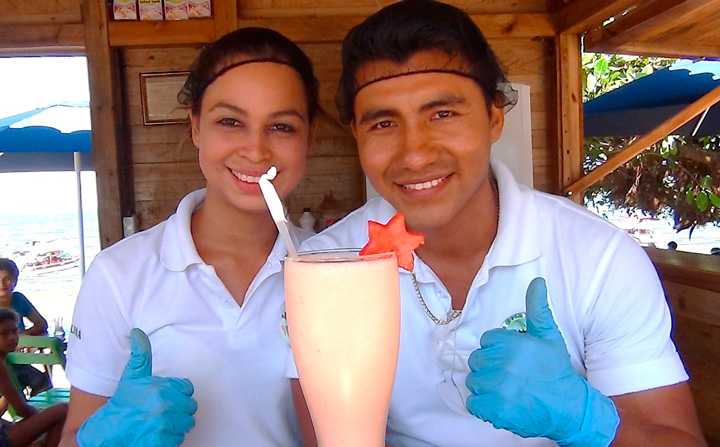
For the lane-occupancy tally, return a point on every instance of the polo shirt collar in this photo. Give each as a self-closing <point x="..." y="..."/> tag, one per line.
<point x="518" y="237"/>
<point x="178" y="250"/>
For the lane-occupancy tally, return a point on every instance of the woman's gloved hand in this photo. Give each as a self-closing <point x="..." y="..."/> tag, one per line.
<point x="146" y="410"/>
<point x="525" y="383"/>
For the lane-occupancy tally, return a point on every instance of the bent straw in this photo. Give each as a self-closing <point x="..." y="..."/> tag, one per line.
<point x="276" y="209"/>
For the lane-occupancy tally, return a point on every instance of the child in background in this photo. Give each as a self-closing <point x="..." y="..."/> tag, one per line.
<point x="35" y="423"/>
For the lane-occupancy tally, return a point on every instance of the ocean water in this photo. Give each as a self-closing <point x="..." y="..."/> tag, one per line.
<point x="52" y="291"/>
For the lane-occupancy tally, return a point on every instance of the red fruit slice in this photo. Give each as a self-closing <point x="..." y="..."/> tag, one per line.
<point x="393" y="237"/>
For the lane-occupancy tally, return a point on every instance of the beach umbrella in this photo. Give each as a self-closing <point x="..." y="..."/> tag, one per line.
<point x="641" y="105"/>
<point x="49" y="136"/>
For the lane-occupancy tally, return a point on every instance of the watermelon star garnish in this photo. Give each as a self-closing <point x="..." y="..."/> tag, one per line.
<point x="393" y="237"/>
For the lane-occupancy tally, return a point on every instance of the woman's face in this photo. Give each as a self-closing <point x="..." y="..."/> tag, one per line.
<point x="252" y="117"/>
<point x="8" y="336"/>
<point x="7" y="284"/>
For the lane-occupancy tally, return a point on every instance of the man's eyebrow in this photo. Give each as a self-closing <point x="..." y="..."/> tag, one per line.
<point x="445" y="100"/>
<point x="374" y="114"/>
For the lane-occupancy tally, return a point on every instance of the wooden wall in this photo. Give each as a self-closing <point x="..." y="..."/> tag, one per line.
<point x="692" y="285"/>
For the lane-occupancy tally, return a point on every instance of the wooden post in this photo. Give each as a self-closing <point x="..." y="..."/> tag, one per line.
<point x="104" y="111"/>
<point x="226" y="17"/>
<point x="570" y="131"/>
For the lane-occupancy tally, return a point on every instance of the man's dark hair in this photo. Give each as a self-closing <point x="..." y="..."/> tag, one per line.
<point x="402" y="29"/>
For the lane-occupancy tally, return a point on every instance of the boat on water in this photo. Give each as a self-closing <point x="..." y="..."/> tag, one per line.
<point x="51" y="261"/>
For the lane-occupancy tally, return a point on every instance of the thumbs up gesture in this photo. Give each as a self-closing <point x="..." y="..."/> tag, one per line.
<point x="524" y="383"/>
<point x="146" y="410"/>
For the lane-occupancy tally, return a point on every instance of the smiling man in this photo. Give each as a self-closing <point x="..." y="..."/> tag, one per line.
<point x="527" y="321"/>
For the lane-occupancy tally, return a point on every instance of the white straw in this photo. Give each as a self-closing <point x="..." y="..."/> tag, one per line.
<point x="276" y="209"/>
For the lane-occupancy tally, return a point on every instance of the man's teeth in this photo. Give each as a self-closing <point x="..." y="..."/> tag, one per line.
<point x="246" y="178"/>
<point x="424" y="185"/>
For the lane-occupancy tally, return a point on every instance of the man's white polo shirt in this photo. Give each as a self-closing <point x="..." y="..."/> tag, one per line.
<point x="235" y="356"/>
<point x="603" y="290"/>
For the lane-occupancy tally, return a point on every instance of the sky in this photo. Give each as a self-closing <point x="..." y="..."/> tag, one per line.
<point x="27" y="83"/>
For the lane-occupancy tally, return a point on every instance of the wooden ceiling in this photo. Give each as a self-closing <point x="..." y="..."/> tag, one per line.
<point x="672" y="28"/>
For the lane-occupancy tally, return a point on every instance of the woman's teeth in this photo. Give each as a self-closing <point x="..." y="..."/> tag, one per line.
<point x="425" y="185"/>
<point x="246" y="178"/>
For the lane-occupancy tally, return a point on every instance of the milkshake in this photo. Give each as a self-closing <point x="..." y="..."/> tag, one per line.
<point x="343" y="314"/>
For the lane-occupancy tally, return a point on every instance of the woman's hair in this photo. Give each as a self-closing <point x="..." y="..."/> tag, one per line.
<point x="246" y="45"/>
<point x="7" y="314"/>
<point x="8" y="265"/>
<point x="399" y="31"/>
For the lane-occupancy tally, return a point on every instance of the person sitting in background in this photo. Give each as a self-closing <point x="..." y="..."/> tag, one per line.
<point x="28" y="376"/>
<point x="35" y="422"/>
<point x="715" y="251"/>
<point x="672" y="245"/>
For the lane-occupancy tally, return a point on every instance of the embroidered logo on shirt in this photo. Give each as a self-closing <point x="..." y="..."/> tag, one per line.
<point x="515" y="322"/>
<point x="74" y="330"/>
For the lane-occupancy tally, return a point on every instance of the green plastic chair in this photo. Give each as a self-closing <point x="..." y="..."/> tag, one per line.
<point x="41" y="350"/>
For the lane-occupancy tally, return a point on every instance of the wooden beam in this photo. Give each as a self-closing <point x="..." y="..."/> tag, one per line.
<point x="105" y="104"/>
<point x="642" y="143"/>
<point x="569" y="108"/>
<point x="225" y="17"/>
<point x="68" y="35"/>
<point x="302" y="30"/>
<point x="642" y="21"/>
<point x="672" y="49"/>
<point x="157" y="33"/>
<point x="582" y="15"/>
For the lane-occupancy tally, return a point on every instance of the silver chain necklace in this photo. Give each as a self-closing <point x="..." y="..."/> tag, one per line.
<point x="452" y="313"/>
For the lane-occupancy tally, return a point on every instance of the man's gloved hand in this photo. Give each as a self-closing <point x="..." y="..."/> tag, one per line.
<point x="524" y="383"/>
<point x="145" y="411"/>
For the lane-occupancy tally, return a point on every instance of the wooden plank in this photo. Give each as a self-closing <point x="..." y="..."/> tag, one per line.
<point x="673" y="49"/>
<point x="569" y="117"/>
<point x="104" y="111"/>
<point x="68" y="36"/>
<point x="643" y="142"/>
<point x="156" y="33"/>
<point x="19" y="12"/>
<point x="225" y="17"/>
<point x="580" y="16"/>
<point x="690" y="269"/>
<point x="321" y="8"/>
<point x="643" y="20"/>
<point x="334" y="29"/>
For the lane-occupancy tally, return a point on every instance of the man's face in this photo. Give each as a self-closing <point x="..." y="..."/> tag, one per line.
<point x="424" y="140"/>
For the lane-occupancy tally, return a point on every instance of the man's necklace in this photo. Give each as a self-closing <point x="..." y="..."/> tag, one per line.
<point x="452" y="313"/>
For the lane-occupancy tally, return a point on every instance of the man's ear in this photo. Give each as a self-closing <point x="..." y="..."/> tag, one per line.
<point x="194" y="128"/>
<point x="497" y="121"/>
<point x="353" y="128"/>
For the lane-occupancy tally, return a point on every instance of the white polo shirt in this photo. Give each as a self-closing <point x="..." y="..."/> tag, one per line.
<point x="603" y="290"/>
<point x="235" y="356"/>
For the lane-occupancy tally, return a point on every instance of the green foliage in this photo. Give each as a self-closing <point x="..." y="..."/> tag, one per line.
<point x="678" y="176"/>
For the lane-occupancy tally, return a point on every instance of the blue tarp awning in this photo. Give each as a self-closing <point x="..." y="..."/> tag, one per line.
<point x="641" y="105"/>
<point x="44" y="139"/>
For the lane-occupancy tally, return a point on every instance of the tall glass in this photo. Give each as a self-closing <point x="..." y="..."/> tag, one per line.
<point x="343" y="314"/>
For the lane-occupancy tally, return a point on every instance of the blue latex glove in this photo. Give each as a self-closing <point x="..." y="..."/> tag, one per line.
<point x="524" y="383"/>
<point x="146" y="410"/>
